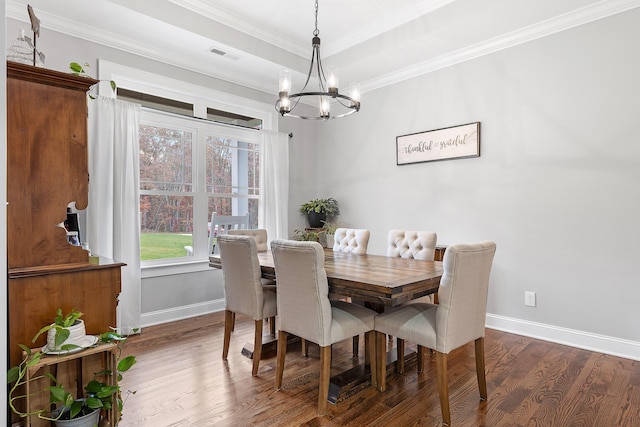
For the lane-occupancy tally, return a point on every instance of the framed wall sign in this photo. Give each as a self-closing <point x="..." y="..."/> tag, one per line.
<point x="454" y="142"/>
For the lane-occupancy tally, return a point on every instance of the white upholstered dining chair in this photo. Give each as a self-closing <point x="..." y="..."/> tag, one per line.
<point x="262" y="245"/>
<point x="412" y="244"/>
<point x="243" y="289"/>
<point x="304" y="309"/>
<point x="221" y="224"/>
<point x="458" y="318"/>
<point x="258" y="234"/>
<point x="353" y="240"/>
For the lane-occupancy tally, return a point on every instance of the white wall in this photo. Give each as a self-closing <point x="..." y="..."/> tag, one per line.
<point x="164" y="298"/>
<point x="555" y="186"/>
<point x="3" y="216"/>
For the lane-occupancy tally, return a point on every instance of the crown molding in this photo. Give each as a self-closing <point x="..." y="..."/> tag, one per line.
<point x="243" y="25"/>
<point x="585" y="15"/>
<point x="567" y="21"/>
<point x="78" y="29"/>
<point x="301" y="48"/>
<point x="117" y="41"/>
<point x="387" y="23"/>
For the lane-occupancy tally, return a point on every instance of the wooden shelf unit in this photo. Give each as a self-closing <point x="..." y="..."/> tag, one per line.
<point x="73" y="371"/>
<point x="47" y="168"/>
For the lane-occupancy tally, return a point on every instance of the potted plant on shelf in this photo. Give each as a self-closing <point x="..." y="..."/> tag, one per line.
<point x="318" y="210"/>
<point x="329" y="230"/>
<point x="308" y="236"/>
<point x="74" y="412"/>
<point x="65" y="331"/>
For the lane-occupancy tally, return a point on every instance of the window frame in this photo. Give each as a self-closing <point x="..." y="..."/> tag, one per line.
<point x="201" y="98"/>
<point x="200" y="130"/>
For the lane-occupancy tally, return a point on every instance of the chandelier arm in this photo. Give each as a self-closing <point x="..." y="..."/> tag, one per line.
<point x="345" y="97"/>
<point x="321" y="77"/>
<point x="348" y="113"/>
<point x="313" y="53"/>
<point x="287" y="103"/>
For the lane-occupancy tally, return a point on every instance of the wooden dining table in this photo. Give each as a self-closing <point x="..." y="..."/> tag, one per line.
<point x="380" y="281"/>
<point x="376" y="280"/>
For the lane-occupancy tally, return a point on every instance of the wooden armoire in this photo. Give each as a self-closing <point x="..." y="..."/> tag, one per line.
<point x="47" y="168"/>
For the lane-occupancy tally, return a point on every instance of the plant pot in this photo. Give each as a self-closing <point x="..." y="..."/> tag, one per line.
<point x="316" y="220"/>
<point x="89" y="420"/>
<point x="76" y="333"/>
<point x="329" y="238"/>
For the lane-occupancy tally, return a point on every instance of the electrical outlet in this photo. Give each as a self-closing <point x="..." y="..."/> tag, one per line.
<point x="529" y="298"/>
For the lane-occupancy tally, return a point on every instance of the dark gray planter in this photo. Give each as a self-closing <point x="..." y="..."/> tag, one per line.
<point x="316" y="220"/>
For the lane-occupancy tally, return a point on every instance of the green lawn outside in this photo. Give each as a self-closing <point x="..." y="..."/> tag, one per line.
<point x="163" y="245"/>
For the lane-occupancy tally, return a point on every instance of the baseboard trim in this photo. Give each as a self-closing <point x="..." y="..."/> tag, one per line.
<point x="179" y="313"/>
<point x="572" y="337"/>
<point x="580" y="339"/>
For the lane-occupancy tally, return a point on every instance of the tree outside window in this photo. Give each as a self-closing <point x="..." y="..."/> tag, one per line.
<point x="176" y="202"/>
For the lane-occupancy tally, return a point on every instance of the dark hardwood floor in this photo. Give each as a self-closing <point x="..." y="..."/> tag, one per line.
<point x="181" y="380"/>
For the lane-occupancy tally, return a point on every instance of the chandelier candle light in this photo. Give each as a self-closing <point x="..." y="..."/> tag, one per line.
<point x="328" y="97"/>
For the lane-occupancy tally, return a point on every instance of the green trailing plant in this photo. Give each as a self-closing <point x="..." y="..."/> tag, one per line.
<point x="330" y="227"/>
<point x="326" y="206"/>
<point x="309" y="236"/>
<point x="61" y="323"/>
<point x="78" y="70"/>
<point x="98" y="394"/>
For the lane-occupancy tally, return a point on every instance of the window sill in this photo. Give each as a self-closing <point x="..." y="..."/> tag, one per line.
<point x="182" y="267"/>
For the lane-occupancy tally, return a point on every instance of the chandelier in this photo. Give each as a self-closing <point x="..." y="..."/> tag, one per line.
<point x="331" y="103"/>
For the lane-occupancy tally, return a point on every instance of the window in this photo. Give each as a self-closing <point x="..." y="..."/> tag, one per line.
<point x="190" y="168"/>
<point x="198" y="154"/>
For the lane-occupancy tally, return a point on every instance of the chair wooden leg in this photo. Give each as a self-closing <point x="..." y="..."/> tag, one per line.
<point x="356" y="345"/>
<point x="228" y="327"/>
<point x="443" y="387"/>
<point x="257" y="347"/>
<point x="272" y="326"/>
<point x="381" y="362"/>
<point x="305" y="347"/>
<point x="435" y="298"/>
<point x="371" y="349"/>
<point x="282" y="352"/>
<point x="421" y="354"/>
<point x="482" y="379"/>
<point x="400" y="358"/>
<point x="233" y="321"/>
<point x="325" y="371"/>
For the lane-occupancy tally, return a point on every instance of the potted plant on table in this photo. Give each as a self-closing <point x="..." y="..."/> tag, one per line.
<point x="318" y="210"/>
<point x="74" y="412"/>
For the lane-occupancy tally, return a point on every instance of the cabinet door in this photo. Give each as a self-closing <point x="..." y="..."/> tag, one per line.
<point x="34" y="300"/>
<point x="46" y="165"/>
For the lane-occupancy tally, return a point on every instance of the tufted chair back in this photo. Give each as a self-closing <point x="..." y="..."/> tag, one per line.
<point x="258" y="234"/>
<point x="351" y="240"/>
<point x="411" y="244"/>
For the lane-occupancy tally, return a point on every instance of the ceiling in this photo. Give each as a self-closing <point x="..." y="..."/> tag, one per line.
<point x="374" y="42"/>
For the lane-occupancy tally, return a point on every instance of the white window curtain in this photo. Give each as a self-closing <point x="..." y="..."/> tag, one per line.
<point x="113" y="221"/>
<point x="274" y="188"/>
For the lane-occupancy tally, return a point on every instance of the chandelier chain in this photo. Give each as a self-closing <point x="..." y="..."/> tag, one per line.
<point x="327" y="93"/>
<point x="316" y="31"/>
